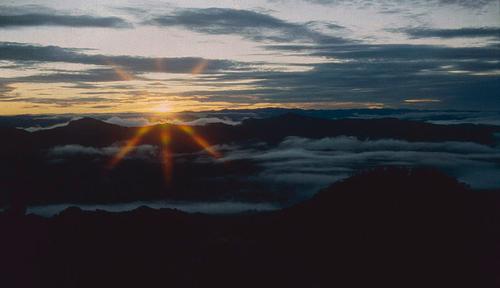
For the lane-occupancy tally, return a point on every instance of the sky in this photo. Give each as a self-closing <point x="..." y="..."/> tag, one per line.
<point x="112" y="56"/>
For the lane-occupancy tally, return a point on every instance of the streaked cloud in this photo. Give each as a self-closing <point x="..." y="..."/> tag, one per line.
<point x="29" y="53"/>
<point x="248" y="24"/>
<point x="32" y="16"/>
<point x="492" y="32"/>
<point x="463" y="3"/>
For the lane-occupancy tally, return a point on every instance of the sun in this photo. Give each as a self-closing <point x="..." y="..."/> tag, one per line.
<point x="162" y="108"/>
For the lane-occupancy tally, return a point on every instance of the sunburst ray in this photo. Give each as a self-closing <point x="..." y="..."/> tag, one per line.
<point x="130" y="145"/>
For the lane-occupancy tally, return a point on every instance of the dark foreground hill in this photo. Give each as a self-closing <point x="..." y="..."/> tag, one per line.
<point x="384" y="228"/>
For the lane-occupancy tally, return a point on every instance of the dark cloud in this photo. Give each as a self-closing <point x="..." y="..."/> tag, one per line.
<point x="28" y="16"/>
<point x="248" y="24"/>
<point x="384" y="81"/>
<point x="33" y="53"/>
<point x="493" y="32"/>
<point x="4" y="90"/>
<point x="388" y="52"/>
<point x="457" y="77"/>
<point x="60" y="102"/>
<point x="66" y="151"/>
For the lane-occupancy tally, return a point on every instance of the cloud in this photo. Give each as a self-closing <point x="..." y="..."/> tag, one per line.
<point x="33" y="15"/>
<point x="212" y="207"/>
<point x="386" y="74"/>
<point x="25" y="20"/>
<point x="315" y="163"/>
<point x="72" y="150"/>
<point x="59" y="153"/>
<point x="5" y="89"/>
<point x="129" y="121"/>
<point x="208" y="120"/>
<point x="27" y="54"/>
<point x="248" y="24"/>
<point x="388" y="52"/>
<point x="463" y="3"/>
<point x="59" y="102"/>
<point x="38" y="128"/>
<point x="493" y="32"/>
<point x="370" y="75"/>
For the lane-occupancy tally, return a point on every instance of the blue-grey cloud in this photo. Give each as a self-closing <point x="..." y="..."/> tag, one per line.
<point x="471" y="32"/>
<point x="318" y="162"/>
<point x="459" y="78"/>
<point x="462" y="3"/>
<point x="28" y="54"/>
<point x="248" y="24"/>
<point x="60" y="102"/>
<point x="29" y="16"/>
<point x="394" y="51"/>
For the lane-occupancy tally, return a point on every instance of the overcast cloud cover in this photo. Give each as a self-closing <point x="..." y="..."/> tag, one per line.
<point x="175" y="55"/>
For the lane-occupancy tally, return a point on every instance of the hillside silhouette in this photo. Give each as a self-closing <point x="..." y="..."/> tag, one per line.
<point x="389" y="227"/>
<point x="96" y="133"/>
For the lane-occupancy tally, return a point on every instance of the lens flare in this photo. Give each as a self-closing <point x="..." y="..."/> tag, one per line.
<point x="122" y="74"/>
<point x="161" y="65"/>
<point x="200" y="67"/>
<point x="129" y="146"/>
<point x="200" y="141"/>
<point x="166" y="156"/>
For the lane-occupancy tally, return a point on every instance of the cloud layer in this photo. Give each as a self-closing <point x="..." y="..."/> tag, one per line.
<point x="306" y="165"/>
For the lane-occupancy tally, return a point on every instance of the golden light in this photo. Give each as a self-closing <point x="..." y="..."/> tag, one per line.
<point x="200" y="141"/>
<point x="162" y="108"/>
<point x="165" y="139"/>
<point x="166" y="156"/>
<point x="165" y="135"/>
<point x="129" y="146"/>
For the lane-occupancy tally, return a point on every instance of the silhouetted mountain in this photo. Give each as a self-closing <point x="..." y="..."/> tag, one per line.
<point x="85" y="131"/>
<point x="14" y="141"/>
<point x="35" y="176"/>
<point x="386" y="227"/>
<point x="285" y="125"/>
<point x="92" y="132"/>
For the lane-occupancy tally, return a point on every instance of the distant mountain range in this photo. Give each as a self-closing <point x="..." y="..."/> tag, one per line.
<point x="35" y="176"/>
<point x="96" y="133"/>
